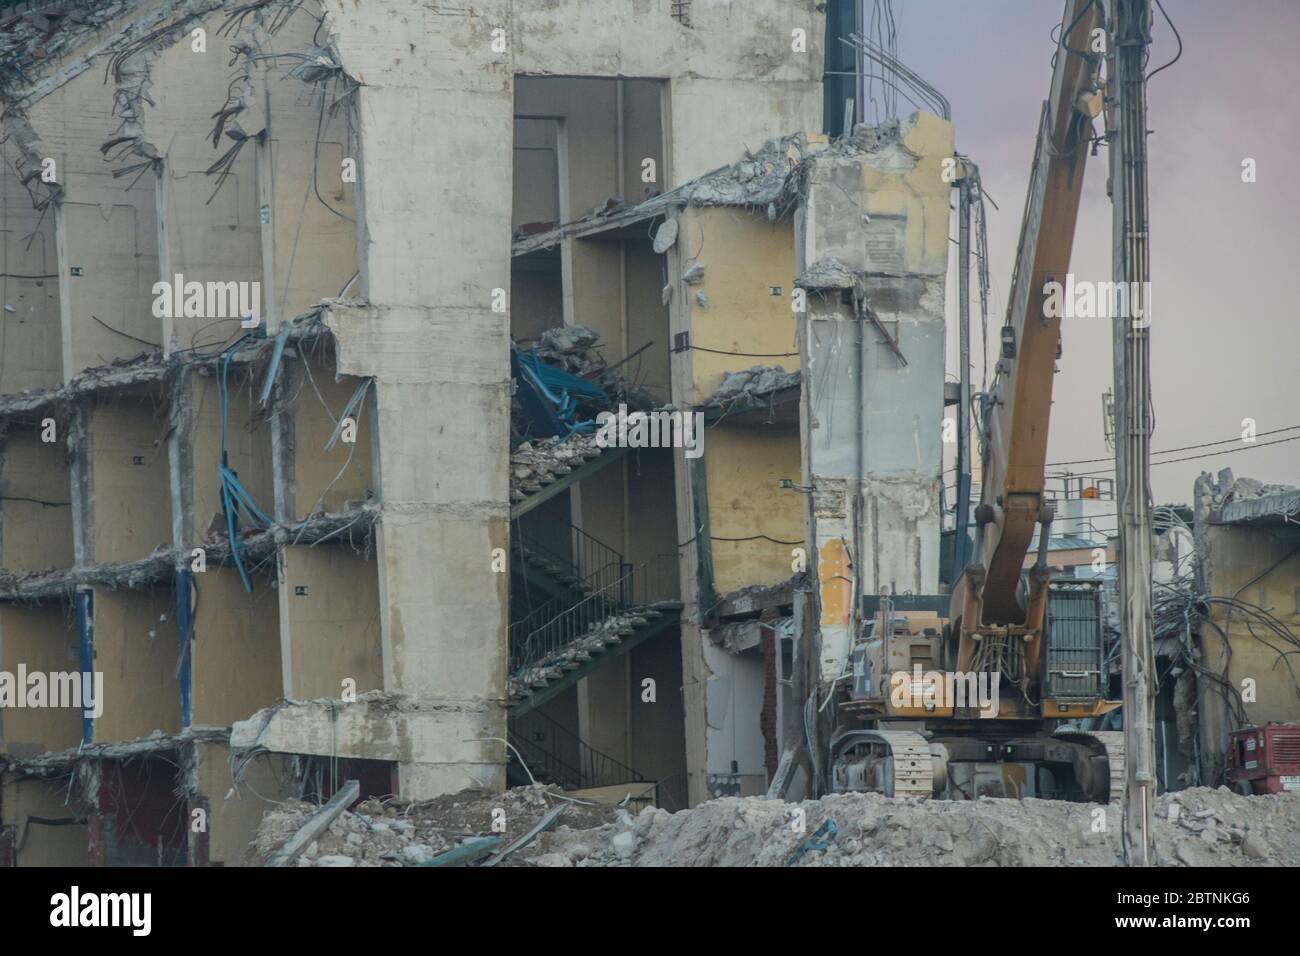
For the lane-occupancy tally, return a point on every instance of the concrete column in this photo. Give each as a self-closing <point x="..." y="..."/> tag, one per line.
<point x="435" y="178"/>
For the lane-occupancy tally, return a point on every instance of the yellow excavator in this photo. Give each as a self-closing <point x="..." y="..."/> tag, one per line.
<point x="978" y="692"/>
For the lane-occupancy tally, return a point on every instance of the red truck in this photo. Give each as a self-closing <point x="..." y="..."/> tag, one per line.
<point x="1265" y="759"/>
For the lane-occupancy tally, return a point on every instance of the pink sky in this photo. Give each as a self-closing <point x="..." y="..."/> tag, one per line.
<point x="1224" y="252"/>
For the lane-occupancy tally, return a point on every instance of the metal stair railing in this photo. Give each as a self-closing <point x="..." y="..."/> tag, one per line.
<point x="554" y="626"/>
<point x="590" y="561"/>
<point x="596" y="769"/>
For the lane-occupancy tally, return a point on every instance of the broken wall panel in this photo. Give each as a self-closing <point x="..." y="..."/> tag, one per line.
<point x="129" y="476"/>
<point x="39" y="640"/>
<point x="876" y="213"/>
<point x="35" y="500"/>
<point x="138" y="651"/>
<point x="329" y="613"/>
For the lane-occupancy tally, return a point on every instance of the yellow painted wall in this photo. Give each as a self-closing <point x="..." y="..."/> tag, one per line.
<point x="43" y="638"/>
<point x="744" y="468"/>
<point x="1238" y="554"/>
<point x="235" y="812"/>
<point x="744" y="256"/>
<point x="315" y="248"/>
<point x="132" y="515"/>
<point x="141" y="692"/>
<point x="332" y="631"/>
<point x="35" y="535"/>
<point x="314" y="468"/>
<point x="41" y="845"/>
<point x="236" y="648"/>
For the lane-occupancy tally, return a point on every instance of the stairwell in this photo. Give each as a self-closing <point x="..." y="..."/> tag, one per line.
<point x="544" y="751"/>
<point x="597" y="606"/>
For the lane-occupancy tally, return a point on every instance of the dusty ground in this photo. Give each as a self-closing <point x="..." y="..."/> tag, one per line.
<point x="1208" y="828"/>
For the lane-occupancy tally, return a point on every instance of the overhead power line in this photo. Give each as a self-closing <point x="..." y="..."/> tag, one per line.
<point x="1170" y="451"/>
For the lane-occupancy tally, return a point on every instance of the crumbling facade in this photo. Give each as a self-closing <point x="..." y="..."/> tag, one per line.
<point x="258" y="398"/>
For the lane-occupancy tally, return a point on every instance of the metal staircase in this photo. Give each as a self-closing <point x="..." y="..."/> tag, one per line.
<point x="553" y="754"/>
<point x="563" y="640"/>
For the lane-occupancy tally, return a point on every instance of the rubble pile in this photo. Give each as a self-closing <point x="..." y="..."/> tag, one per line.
<point x="575" y="349"/>
<point x="1213" y="492"/>
<point x="395" y="832"/>
<point x="1196" y="827"/>
<point x="1208" y="828"/>
<point x="537" y="463"/>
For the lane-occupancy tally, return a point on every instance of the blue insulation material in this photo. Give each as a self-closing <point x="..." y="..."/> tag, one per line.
<point x="236" y="503"/>
<point x="183" y="586"/>
<point x="550" y="395"/>
<point x="86" y="647"/>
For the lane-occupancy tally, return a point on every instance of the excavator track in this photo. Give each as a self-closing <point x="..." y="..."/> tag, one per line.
<point x="911" y="770"/>
<point x="1108" y="743"/>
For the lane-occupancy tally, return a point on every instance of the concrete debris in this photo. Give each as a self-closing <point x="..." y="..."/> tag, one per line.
<point x="753" y="383"/>
<point x="150" y="368"/>
<point x="826" y="274"/>
<point x="567" y="347"/>
<point x="59" y="763"/>
<point x="665" y="236"/>
<point x="1217" y="491"/>
<point x="396" y="832"/>
<point x="1227" y="488"/>
<point x="1215" y="828"/>
<point x="353" y="526"/>
<point x="575" y="349"/>
<point x="773" y="179"/>
<point x="538" y="463"/>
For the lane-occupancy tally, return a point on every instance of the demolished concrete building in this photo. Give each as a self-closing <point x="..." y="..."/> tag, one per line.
<point x="257" y="391"/>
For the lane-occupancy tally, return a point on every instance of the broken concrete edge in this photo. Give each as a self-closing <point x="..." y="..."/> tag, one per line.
<point x="34" y="587"/>
<point x="773" y="177"/>
<point x="754" y="600"/>
<point x="152" y="367"/>
<point x="380" y="725"/>
<point x="60" y="763"/>
<point x="81" y="38"/>
<point x="752" y="387"/>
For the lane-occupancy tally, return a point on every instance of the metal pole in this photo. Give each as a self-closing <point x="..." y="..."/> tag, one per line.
<point x="960" y="544"/>
<point x="1129" y="38"/>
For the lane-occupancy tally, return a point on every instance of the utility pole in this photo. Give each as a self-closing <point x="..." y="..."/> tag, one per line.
<point x="960" y="545"/>
<point x="1129" y="37"/>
